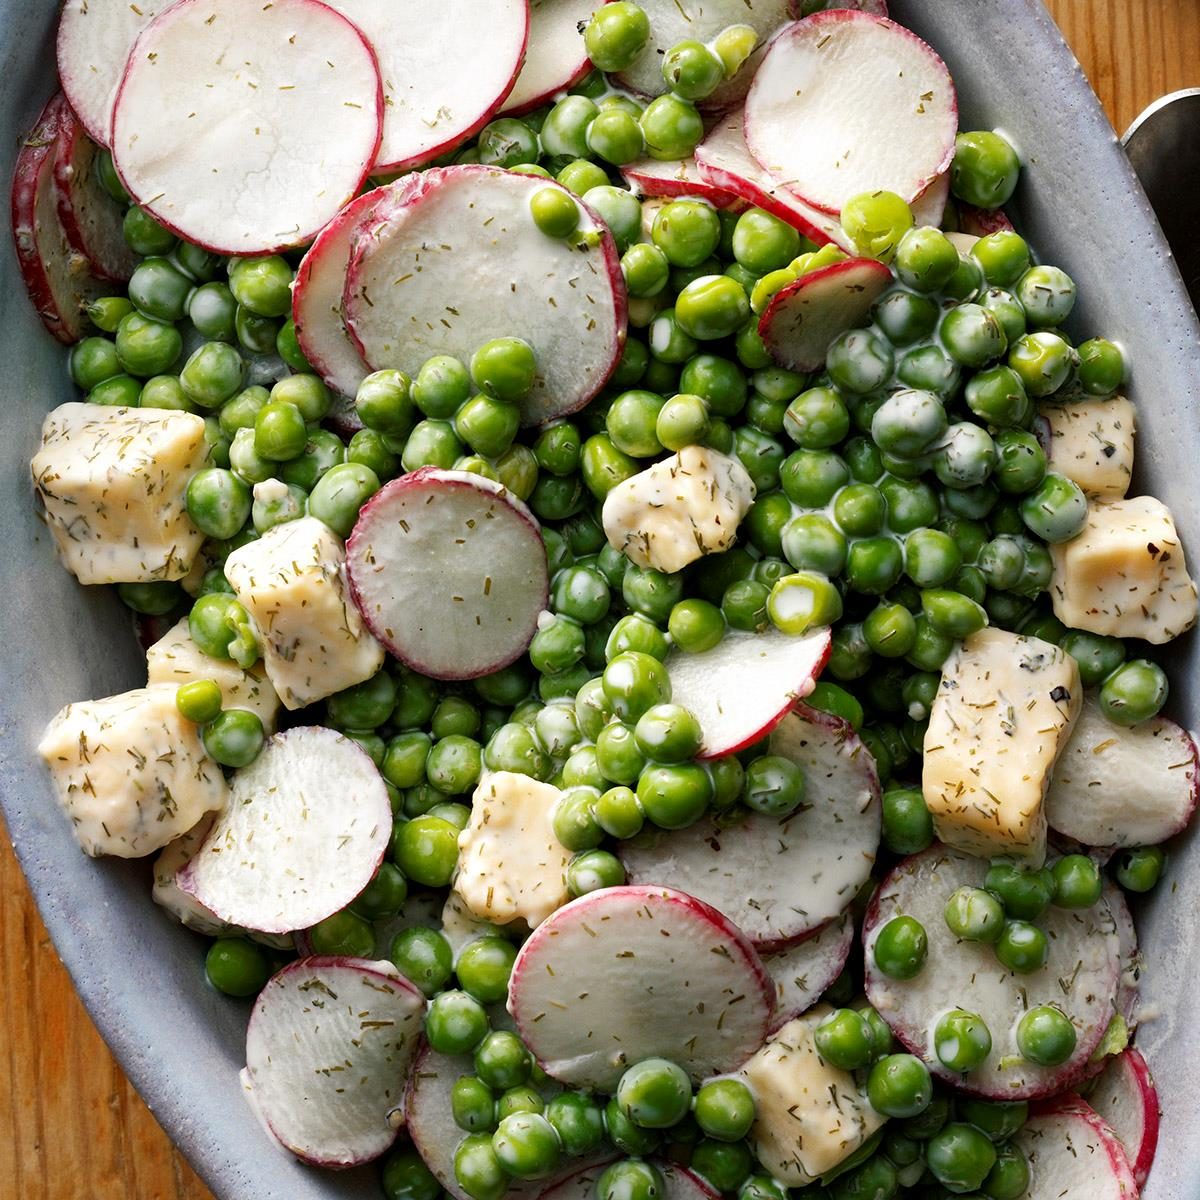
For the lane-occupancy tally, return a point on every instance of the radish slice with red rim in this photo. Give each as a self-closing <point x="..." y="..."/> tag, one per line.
<point x="813" y="112"/>
<point x="802" y="319"/>
<point x="431" y="106"/>
<point x="929" y="208"/>
<point x="779" y="880"/>
<point x="555" y="58"/>
<point x="1074" y="1155"/>
<point x="449" y="572"/>
<point x="1125" y="1096"/>
<point x="653" y="178"/>
<point x="92" y="220"/>
<point x="680" y="1183"/>
<point x="746" y="684"/>
<point x="802" y="972"/>
<point x="1079" y="977"/>
<point x="304" y="832"/>
<point x="628" y="973"/>
<point x="328" y="1050"/>
<point x="1128" y="987"/>
<point x="979" y="222"/>
<point x="317" y="301"/>
<point x="254" y="151"/>
<point x="876" y="8"/>
<point x="451" y="258"/>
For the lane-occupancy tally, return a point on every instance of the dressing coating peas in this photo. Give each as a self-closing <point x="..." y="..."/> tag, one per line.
<point x="899" y="1086"/>
<point x="1047" y="294"/>
<point x="526" y="1145"/>
<point x="905" y="317"/>
<point x="726" y="1165"/>
<point x="146" y="346"/>
<point x="158" y="289"/>
<point x="504" y="368"/>
<point x="668" y="733"/>
<point x="974" y="915"/>
<point x="616" y="35"/>
<point x="619" y="209"/>
<point x="1134" y="692"/>
<point x="1101" y="367"/>
<point x="406" y="1177"/>
<point x="812" y="542"/>
<point x="1139" y="869"/>
<point x="630" y="1180"/>
<point x="1056" y="510"/>
<point x="844" y="1039"/>
<point x="1043" y="360"/>
<point x="234" y="737"/>
<point x="218" y="502"/>
<point x="925" y="259"/>
<point x="236" y="966"/>
<point x="712" y="307"/>
<point x="1022" y="947"/>
<point x="959" y="1157"/>
<point x="875" y="223"/>
<point x="909" y="422"/>
<point x="478" y="1170"/>
<point x="199" y="701"/>
<point x="961" y="1040"/>
<point x="578" y="1120"/>
<point x="901" y="947"/>
<point x="616" y="137"/>
<point x="340" y="494"/>
<point x="985" y="169"/>
<point x="1045" y="1036"/>
<point x="1004" y="257"/>
<point x="654" y="1093"/>
<point x="674" y="797"/>
<point x="774" y="786"/>
<point x="907" y="824"/>
<point x="672" y="128"/>
<point x="725" y="1109"/>
<point x="817" y="419"/>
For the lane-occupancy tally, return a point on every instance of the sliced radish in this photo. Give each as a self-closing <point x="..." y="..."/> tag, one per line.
<point x="1074" y="1155"/>
<point x="1079" y="977"/>
<point x="803" y="971"/>
<point x="449" y="572"/>
<point x="431" y="105"/>
<point x="555" y="58"/>
<point x="779" y="880"/>
<point x="981" y="221"/>
<point x="305" y="831"/>
<point x="317" y="301"/>
<point x="803" y="318"/>
<point x="244" y="128"/>
<point x="681" y="1184"/>
<point x="57" y="278"/>
<point x="628" y="973"/>
<point x="452" y="258"/>
<point x="653" y="178"/>
<point x="94" y="41"/>
<point x="878" y="8"/>
<point x="813" y="114"/>
<point x="91" y="218"/>
<point x="725" y="162"/>
<point x="1128" y="986"/>
<point x="743" y="687"/>
<point x="930" y="206"/>
<point x="1116" y="785"/>
<point x="1125" y="1097"/>
<point x="328" y="1050"/>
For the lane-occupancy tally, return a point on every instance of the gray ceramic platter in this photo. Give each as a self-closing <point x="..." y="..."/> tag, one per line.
<point x="140" y="976"/>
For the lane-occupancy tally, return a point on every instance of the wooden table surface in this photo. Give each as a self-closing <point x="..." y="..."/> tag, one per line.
<point x="71" y="1126"/>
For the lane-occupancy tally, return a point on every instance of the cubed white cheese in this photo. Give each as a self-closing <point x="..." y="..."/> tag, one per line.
<point x="810" y="1116"/>
<point x="292" y="583"/>
<point x="130" y="772"/>
<point x="1003" y="712"/>
<point x="1091" y="442"/>
<point x="112" y="482"/>
<point x="177" y="660"/>
<point x="510" y="864"/>
<point x="678" y="510"/>
<point x="1125" y="575"/>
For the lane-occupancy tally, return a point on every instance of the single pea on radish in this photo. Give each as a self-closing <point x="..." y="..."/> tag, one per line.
<point x="1074" y="1155"/>
<point x="328" y="1050"/>
<point x="449" y="572"/>
<point x="1125" y="1096"/>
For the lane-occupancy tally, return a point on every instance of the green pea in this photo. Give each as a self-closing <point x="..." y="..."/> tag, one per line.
<point x="1077" y="882"/>
<point x="1101" y="367"/>
<point x="1045" y="1036"/>
<point x="262" y="286"/>
<point x="221" y="628"/>
<point x="672" y="128"/>
<point x="619" y="209"/>
<point x="406" y="1177"/>
<point x="344" y="933"/>
<point x="724" y="1109"/>
<point x="592" y="870"/>
<point x="235" y="966"/>
<point x="901" y="947"/>
<point x="691" y="70"/>
<point x="144" y="235"/>
<point x="899" y="1085"/>
<point x="726" y="1165"/>
<point x="1022" y="947"/>
<point x="94" y="360"/>
<point x="505" y="369"/>
<point x="959" y="1157"/>
<point x="1139" y="869"/>
<point x="875" y="223"/>
<point x="307" y="393"/>
<point x="484" y="967"/>
<point x="962" y="1040"/>
<point x="1009" y="1177"/>
<point x="1004" y="257"/>
<point x="674" y="797"/>
<point x="687" y="232"/>
<point x="423" y="957"/>
<point x="616" y="137"/>
<point x="845" y="1040"/>
<point x="718" y="381"/>
<point x="1044" y="361"/>
<point x="106" y="313"/>
<point x="1020" y="462"/>
<point x="502" y="1061"/>
<point x="654" y="1093"/>
<point x="890" y="630"/>
<point x="581" y="176"/>
<point x="909" y="422"/>
<point x="773" y="786"/>
<point x="287" y="346"/>
<point x="280" y="432"/>
<point x="477" y="1169"/>
<point x="859" y="361"/>
<point x="925" y="259"/>
<point x="874" y="565"/>
<point x="929" y="368"/>
<point x="340" y="494"/>
<point x="905" y="317"/>
<point x="616" y="35"/>
<point x="213" y="374"/>
<point x="974" y="915"/>
<point x="213" y="311"/>
<point x="1134" y="692"/>
<point x="507" y="142"/>
<point x="985" y="169"/>
<point x="118" y="391"/>
<point x="218" y="502"/>
<point x="711" y="307"/>
<point x="1056" y="510"/>
<point x="554" y="212"/>
<point x="630" y="1180"/>
<point x="1047" y="294"/>
<point x="604" y="466"/>
<point x="456" y="1023"/>
<point x="578" y="1120"/>
<point x="255" y="334"/>
<point x="442" y="385"/>
<point x="234" y="737"/>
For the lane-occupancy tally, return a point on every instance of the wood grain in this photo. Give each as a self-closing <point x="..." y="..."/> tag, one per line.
<point x="70" y="1124"/>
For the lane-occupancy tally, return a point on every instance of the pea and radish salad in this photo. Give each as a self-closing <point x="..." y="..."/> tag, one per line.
<point x="652" y="685"/>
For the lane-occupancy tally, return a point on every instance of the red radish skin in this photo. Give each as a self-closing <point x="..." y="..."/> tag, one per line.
<point x="821" y="88"/>
<point x="460" y="241"/>
<point x="675" y="179"/>
<point x="803" y="318"/>
<point x="412" y="580"/>
<point x="555" y="58"/>
<point x="363" y="1016"/>
<point x="1080" y="976"/>
<point x="628" y="973"/>
<point x="802" y="972"/>
<point x="741" y="689"/>
<point x="929" y="208"/>
<point x="57" y="278"/>
<point x="979" y="222"/>
<point x="323" y="137"/>
<point x="1126" y="1098"/>
<point x="1074" y="1155"/>
<point x="92" y="220"/>
<point x="424" y="116"/>
<point x="1128" y="989"/>
<point x="317" y="301"/>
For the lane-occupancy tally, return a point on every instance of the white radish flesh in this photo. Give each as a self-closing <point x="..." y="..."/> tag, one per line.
<point x="1079" y="977"/>
<point x="433" y="105"/>
<point x="1115" y="785"/>
<point x="92" y="220"/>
<point x="628" y="973"/>
<point x="653" y="178"/>
<point x="317" y="301"/>
<point x="1074" y="1155"/>
<point x="878" y="8"/>
<point x="555" y="58"/>
<point x="803" y="318"/>
<point x="449" y="572"/>
<point x="743" y="687"/>
<point x="245" y="128"/>
<point x="803" y="971"/>
<point x="1128" y="987"/>
<point x="780" y="880"/>
<point x="930" y="206"/>
<point x="813" y="114"/>
<point x="452" y="258"/>
<point x="305" y="831"/>
<point x="93" y="45"/>
<point x="1125" y="1096"/>
<point x="328" y="1050"/>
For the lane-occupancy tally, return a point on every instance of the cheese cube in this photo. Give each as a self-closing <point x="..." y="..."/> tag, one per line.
<point x="510" y="864"/>
<point x="1091" y="442"/>
<point x="1002" y="715"/>
<point x="292" y="583"/>
<point x="810" y="1116"/>
<point x="678" y="510"/>
<point x="130" y="772"/>
<point x="1125" y="575"/>
<point x="112" y="481"/>
<point x="176" y="659"/>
